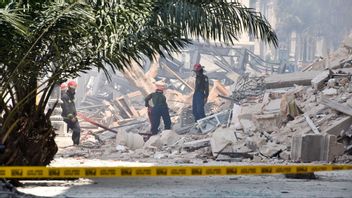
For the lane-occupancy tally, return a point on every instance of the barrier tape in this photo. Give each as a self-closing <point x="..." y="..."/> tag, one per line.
<point x="91" y="172"/>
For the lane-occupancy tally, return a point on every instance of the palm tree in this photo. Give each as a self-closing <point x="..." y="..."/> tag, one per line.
<point x="49" y="41"/>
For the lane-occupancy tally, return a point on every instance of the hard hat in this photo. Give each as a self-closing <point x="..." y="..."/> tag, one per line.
<point x="72" y="84"/>
<point x="197" y="67"/>
<point x="160" y="85"/>
<point x="63" y="86"/>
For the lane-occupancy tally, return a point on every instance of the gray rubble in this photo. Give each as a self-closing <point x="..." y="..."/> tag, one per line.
<point x="298" y="117"/>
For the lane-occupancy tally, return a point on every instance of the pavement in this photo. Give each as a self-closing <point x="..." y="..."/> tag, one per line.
<point x="329" y="184"/>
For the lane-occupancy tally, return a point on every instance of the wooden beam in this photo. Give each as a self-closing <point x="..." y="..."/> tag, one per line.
<point x="177" y="76"/>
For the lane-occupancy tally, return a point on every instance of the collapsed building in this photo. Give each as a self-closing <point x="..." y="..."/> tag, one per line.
<point x="255" y="111"/>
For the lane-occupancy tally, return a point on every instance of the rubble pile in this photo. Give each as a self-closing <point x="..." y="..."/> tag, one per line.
<point x="298" y="117"/>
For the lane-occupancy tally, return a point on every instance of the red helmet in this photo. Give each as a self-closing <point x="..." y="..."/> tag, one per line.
<point x="197" y="67"/>
<point x="63" y="86"/>
<point x="72" y="84"/>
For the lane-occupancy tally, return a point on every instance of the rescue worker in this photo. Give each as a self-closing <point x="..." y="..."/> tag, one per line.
<point x="201" y="92"/>
<point x="158" y="108"/>
<point x="69" y="112"/>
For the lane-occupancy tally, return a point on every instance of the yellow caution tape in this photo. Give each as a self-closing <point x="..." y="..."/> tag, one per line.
<point x="90" y="172"/>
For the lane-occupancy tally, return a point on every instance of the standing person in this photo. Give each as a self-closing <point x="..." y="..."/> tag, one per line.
<point x="158" y="108"/>
<point x="201" y="92"/>
<point x="69" y="112"/>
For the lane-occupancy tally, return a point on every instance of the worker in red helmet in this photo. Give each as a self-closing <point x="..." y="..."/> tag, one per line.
<point x="69" y="112"/>
<point x="201" y="92"/>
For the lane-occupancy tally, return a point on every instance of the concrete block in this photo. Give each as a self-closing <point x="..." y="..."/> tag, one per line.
<point x="315" y="147"/>
<point x="307" y="148"/>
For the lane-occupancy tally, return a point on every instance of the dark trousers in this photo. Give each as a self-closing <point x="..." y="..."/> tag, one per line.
<point x="198" y="105"/>
<point x="156" y="114"/>
<point x="76" y="130"/>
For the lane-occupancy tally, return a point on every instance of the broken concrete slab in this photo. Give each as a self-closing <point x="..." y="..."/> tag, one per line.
<point x="298" y="78"/>
<point x="221" y="138"/>
<point x="273" y="106"/>
<point x="320" y="79"/>
<point x="290" y="79"/>
<point x="342" y="123"/>
<point x="337" y="106"/>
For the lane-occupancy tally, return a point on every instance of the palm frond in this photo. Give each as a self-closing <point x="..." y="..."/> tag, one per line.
<point x="13" y="18"/>
<point x="217" y="20"/>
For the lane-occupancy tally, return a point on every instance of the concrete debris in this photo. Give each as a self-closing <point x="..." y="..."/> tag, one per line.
<point x="335" y="105"/>
<point x="222" y="139"/>
<point x="330" y="91"/>
<point x="121" y="148"/>
<point x="311" y="124"/>
<point x="309" y="148"/>
<point x="106" y="135"/>
<point x="130" y="140"/>
<point x="218" y="89"/>
<point x="303" y="116"/>
<point x="153" y="142"/>
<point x="288" y="80"/>
<point x="169" y="137"/>
<point x="319" y="80"/>
<point x="197" y="144"/>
